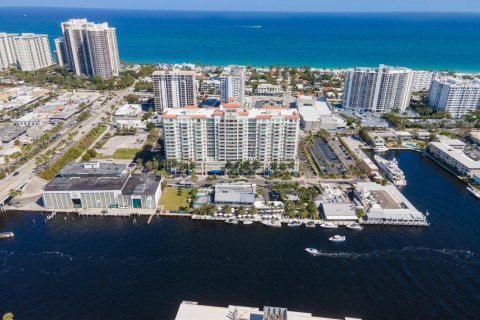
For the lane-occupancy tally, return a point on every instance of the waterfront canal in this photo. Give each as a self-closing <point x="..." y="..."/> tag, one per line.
<point x="94" y="268"/>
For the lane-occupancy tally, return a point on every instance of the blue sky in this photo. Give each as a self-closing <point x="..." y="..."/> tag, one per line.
<point x="263" y="5"/>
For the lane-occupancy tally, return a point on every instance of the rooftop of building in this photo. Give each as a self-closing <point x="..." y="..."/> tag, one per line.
<point x="92" y="169"/>
<point x="231" y="109"/>
<point x="11" y="132"/>
<point x="458" y="81"/>
<point x="235" y="193"/>
<point x="457" y="154"/>
<point x="93" y="184"/>
<point x="234" y="71"/>
<point x="129" y="110"/>
<point x="386" y="201"/>
<point x="194" y="311"/>
<point x="173" y="72"/>
<point x="141" y="185"/>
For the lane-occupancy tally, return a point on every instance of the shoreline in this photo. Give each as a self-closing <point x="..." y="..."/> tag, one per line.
<point x="296" y="65"/>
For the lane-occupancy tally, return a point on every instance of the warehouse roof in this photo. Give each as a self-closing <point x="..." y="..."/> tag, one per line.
<point x="142" y="184"/>
<point x="93" y="184"/>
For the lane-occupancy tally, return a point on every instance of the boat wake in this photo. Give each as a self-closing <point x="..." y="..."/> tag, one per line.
<point x="419" y="253"/>
<point x="248" y="27"/>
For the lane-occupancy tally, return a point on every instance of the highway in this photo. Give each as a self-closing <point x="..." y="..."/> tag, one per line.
<point x="26" y="171"/>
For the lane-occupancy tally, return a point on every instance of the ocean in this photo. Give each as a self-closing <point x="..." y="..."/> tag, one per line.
<point x="112" y="268"/>
<point x="437" y="41"/>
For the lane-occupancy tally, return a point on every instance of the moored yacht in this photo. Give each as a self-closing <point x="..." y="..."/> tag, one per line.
<point x="294" y="223"/>
<point x="231" y="221"/>
<point x="329" y="225"/>
<point x="272" y="223"/>
<point x="354" y="226"/>
<point x="310" y="224"/>
<point x="391" y="170"/>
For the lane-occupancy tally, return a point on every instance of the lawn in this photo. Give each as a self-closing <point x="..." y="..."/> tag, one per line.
<point x="125" y="153"/>
<point x="171" y="201"/>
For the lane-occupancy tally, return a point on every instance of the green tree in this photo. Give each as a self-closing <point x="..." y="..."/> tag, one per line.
<point x="150" y="126"/>
<point x="7" y="316"/>
<point x="132" y="98"/>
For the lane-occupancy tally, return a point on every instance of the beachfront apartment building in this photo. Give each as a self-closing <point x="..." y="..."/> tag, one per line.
<point x="88" y="48"/>
<point x="174" y="89"/>
<point x="26" y="51"/>
<point x="455" y="95"/>
<point x="378" y="89"/>
<point x="210" y="137"/>
<point x="232" y="86"/>
<point x="422" y="80"/>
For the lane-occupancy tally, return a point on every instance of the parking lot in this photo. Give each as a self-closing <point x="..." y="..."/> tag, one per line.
<point x="326" y="158"/>
<point x="126" y="142"/>
<point x="367" y="118"/>
<point x="341" y="152"/>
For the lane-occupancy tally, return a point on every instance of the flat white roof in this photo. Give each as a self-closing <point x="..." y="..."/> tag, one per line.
<point x="194" y="311"/>
<point x="458" y="155"/>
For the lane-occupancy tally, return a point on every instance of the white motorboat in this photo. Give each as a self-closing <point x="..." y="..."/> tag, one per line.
<point x="474" y="191"/>
<point x="354" y="226"/>
<point x="312" y="251"/>
<point x="392" y="170"/>
<point x="231" y="221"/>
<point x="329" y="225"/>
<point x="337" y="238"/>
<point x="7" y="235"/>
<point x="310" y="224"/>
<point x="294" y="223"/>
<point x="247" y="221"/>
<point x="272" y="223"/>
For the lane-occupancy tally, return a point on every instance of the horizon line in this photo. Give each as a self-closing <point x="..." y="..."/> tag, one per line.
<point x="238" y="11"/>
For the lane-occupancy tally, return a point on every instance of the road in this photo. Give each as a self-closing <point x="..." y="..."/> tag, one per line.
<point x="25" y="172"/>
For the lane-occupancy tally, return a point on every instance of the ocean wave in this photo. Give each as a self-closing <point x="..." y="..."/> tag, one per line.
<point x="406" y="252"/>
<point x="57" y="253"/>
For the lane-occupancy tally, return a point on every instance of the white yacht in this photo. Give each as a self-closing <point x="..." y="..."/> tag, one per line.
<point x="247" y="221"/>
<point x="272" y="223"/>
<point x="337" y="238"/>
<point x="329" y="225"/>
<point x="354" y="226"/>
<point x="7" y="235"/>
<point x="310" y="224"/>
<point x="294" y="223"/>
<point x="312" y="251"/>
<point x="231" y="221"/>
<point x="474" y="191"/>
<point x="391" y="169"/>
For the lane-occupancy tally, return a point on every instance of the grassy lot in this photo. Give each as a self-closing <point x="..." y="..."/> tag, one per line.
<point x="172" y="201"/>
<point x="125" y="153"/>
<point x="120" y="153"/>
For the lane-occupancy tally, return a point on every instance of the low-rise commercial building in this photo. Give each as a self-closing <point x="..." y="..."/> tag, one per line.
<point x="316" y="114"/>
<point x="385" y="203"/>
<point x="101" y="185"/>
<point x="336" y="206"/>
<point x="10" y="133"/>
<point x="235" y="194"/>
<point x="266" y="89"/>
<point x="451" y="152"/>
